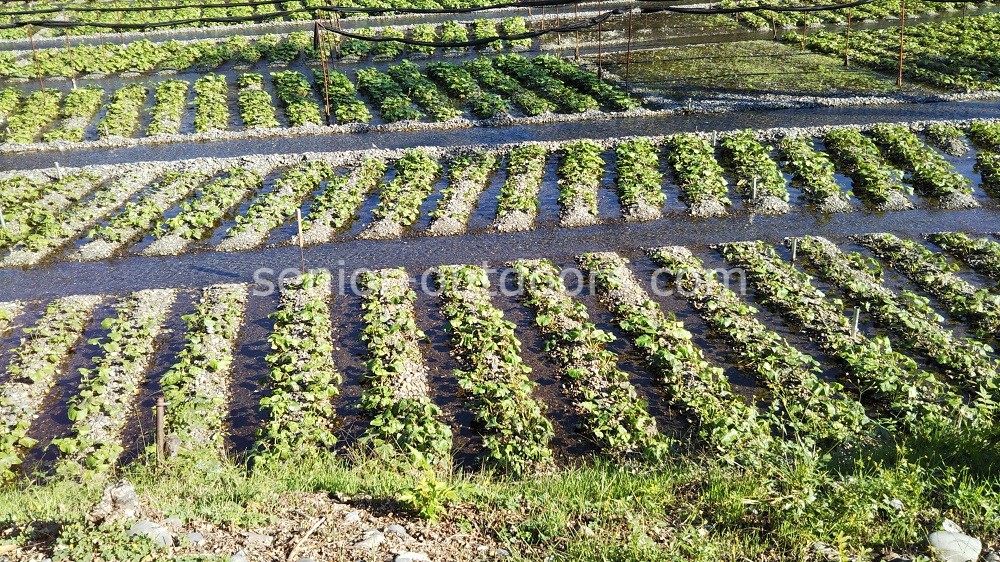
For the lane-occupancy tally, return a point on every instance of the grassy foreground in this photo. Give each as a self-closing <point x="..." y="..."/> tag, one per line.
<point x="688" y="508"/>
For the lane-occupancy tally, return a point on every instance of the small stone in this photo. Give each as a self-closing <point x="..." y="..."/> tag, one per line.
<point x="306" y="560"/>
<point x="195" y="538"/>
<point x="397" y="530"/>
<point x="896" y="504"/>
<point x="173" y="523"/>
<point x="120" y="501"/>
<point x="172" y="446"/>
<point x="951" y="526"/>
<point x="482" y="548"/>
<point x="955" y="547"/>
<point x="155" y="532"/>
<point x="352" y="517"/>
<point x="372" y="540"/>
<point x="240" y="556"/>
<point x="257" y="539"/>
<point x="503" y="553"/>
<point x="412" y="557"/>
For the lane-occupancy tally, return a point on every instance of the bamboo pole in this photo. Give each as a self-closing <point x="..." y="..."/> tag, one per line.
<point x="902" y="37"/>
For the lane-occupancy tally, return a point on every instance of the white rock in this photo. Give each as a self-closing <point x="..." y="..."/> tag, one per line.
<point x="257" y="539"/>
<point x="240" y="556"/>
<point x="372" y="540"/>
<point x="120" y="501"/>
<point x="173" y="523"/>
<point x="195" y="538"/>
<point x="352" y="517"/>
<point x="950" y="526"/>
<point x="397" y="530"/>
<point x="955" y="547"/>
<point x="896" y="504"/>
<point x="153" y="531"/>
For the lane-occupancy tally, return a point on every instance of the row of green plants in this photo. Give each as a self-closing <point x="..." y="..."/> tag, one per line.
<point x="935" y="274"/>
<point x="211" y="103"/>
<point x="196" y="388"/>
<point x="873" y="180"/>
<point x="612" y="413"/>
<point x="468" y="177"/>
<point x="955" y="54"/>
<point x="390" y="99"/>
<point x="535" y="78"/>
<point x="10" y="98"/>
<point x="698" y="174"/>
<point x="29" y="204"/>
<point x="9" y="311"/>
<point x="917" y="326"/>
<point x="33" y="370"/>
<point x="587" y="82"/>
<point x="295" y="95"/>
<point x="337" y="91"/>
<point x="757" y="174"/>
<point x="492" y="79"/>
<point x="338" y="204"/>
<point x="255" y="103"/>
<point x="892" y="383"/>
<point x="50" y="229"/>
<point x="459" y="84"/>
<point x="423" y="91"/>
<point x="79" y="108"/>
<point x="171" y="101"/>
<point x="930" y="174"/>
<point x="986" y="134"/>
<point x="140" y="215"/>
<point x="639" y="181"/>
<point x="581" y="171"/>
<point x="400" y="199"/>
<point x="404" y="421"/>
<point x="198" y="217"/>
<point x="124" y="110"/>
<point x="808" y="407"/>
<point x="494" y="379"/>
<point x="270" y="210"/>
<point x="303" y="380"/>
<point x="517" y="204"/>
<point x="988" y="166"/>
<point x="812" y="171"/>
<point x="450" y="31"/>
<point x="36" y="113"/>
<point x="981" y="254"/>
<point x="724" y="421"/>
<point x="104" y="402"/>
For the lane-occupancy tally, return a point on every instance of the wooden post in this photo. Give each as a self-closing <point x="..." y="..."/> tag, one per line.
<point x="34" y="57"/>
<point x="795" y="249"/>
<point x="576" y="19"/>
<point x="161" y="436"/>
<point x="3" y="221"/>
<point x="628" y="55"/>
<point x="302" y="241"/>
<point x="902" y="34"/>
<point x="753" y="194"/>
<point x="847" y="40"/>
<point x="857" y="320"/>
<point x="600" y="42"/>
<point x="59" y="172"/>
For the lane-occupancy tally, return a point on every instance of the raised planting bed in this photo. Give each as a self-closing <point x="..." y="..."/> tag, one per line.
<point x="211" y="103"/>
<point x="35" y="113"/>
<point x="459" y="84"/>
<point x="400" y="200"/>
<point x="171" y="101"/>
<point x="468" y="177"/>
<point x="873" y="180"/>
<point x="388" y="96"/>
<point x="423" y="91"/>
<point x="33" y="371"/>
<point x="614" y="416"/>
<point x="303" y="379"/>
<point x="494" y="378"/>
<point x="813" y="172"/>
<point x="404" y="421"/>
<point x="124" y="111"/>
<point x="255" y="103"/>
<point x="900" y="392"/>
<point x="935" y="274"/>
<point x="296" y="97"/>
<point x="337" y="91"/>
<point x="197" y="386"/>
<point x="981" y="254"/>
<point x="580" y="173"/>
<point x="808" y="407"/>
<point x="930" y="174"/>
<point x="703" y="186"/>
<point x="105" y="399"/>
<point x="724" y="421"/>
<point x="639" y="181"/>
<point x="757" y="175"/>
<point x="341" y="199"/>
<point x="79" y="108"/>
<point x="517" y="205"/>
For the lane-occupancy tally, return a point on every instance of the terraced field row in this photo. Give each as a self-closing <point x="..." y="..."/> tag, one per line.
<point x="227" y="205"/>
<point x="906" y="366"/>
<point x="883" y="9"/>
<point x="483" y="88"/>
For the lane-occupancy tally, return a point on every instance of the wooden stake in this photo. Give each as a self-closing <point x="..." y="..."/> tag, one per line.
<point x="795" y="249"/>
<point x="847" y="41"/>
<point x="628" y="54"/>
<point x="753" y="196"/>
<point x="576" y="19"/>
<point x="302" y="241"/>
<point x="3" y="222"/>
<point x="161" y="436"/>
<point x="59" y="172"/>
<point x="600" y="42"/>
<point x="902" y="28"/>
<point x="857" y="320"/>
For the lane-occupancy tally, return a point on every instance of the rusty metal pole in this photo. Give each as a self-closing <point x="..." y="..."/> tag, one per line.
<point x="34" y="57"/>
<point x="902" y="39"/>
<point x="600" y="42"/>
<point x="576" y="20"/>
<point x="161" y="435"/>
